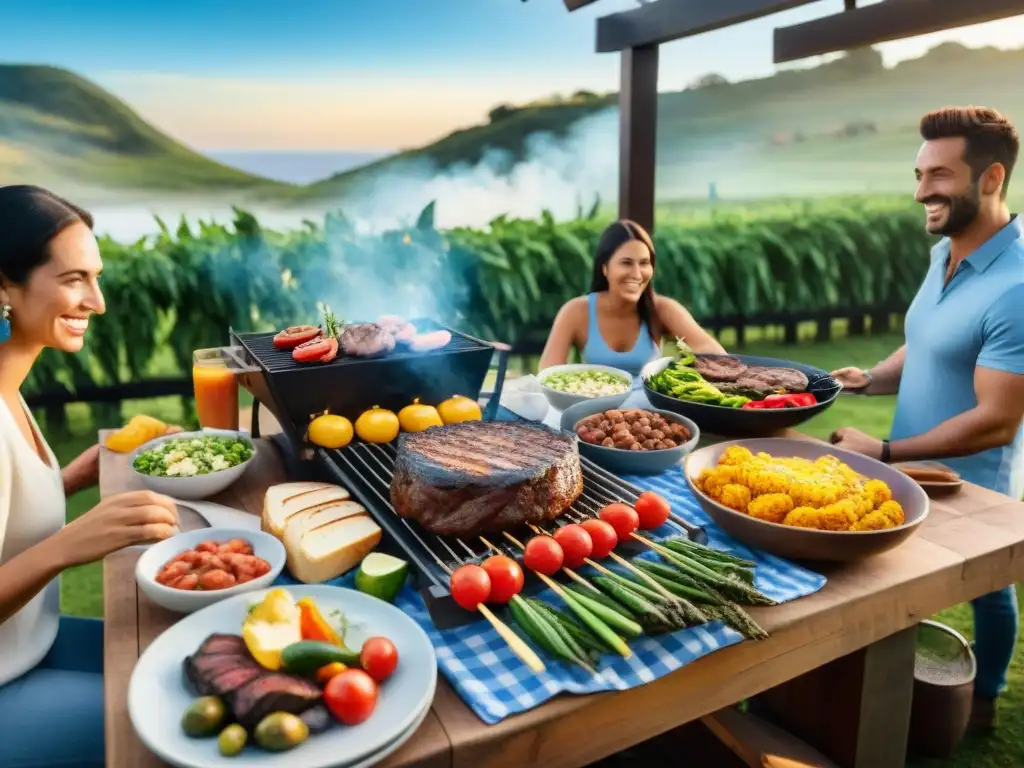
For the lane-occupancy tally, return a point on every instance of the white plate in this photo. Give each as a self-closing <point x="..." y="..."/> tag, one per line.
<point x="157" y="694"/>
<point x="397" y="744"/>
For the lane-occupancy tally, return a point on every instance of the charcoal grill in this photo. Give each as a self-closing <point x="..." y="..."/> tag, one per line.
<point x="347" y="386"/>
<point x="366" y="470"/>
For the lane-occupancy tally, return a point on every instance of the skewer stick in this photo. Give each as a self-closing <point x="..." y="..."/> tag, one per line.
<point x="633" y="569"/>
<point x="566" y="570"/>
<point x="625" y="564"/>
<point x="656" y="547"/>
<point x="519" y="648"/>
<point x="514" y="642"/>
<point x="540" y="575"/>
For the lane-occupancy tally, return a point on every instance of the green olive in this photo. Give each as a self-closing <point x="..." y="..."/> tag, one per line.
<point x="279" y="731"/>
<point x="204" y="717"/>
<point x="232" y="740"/>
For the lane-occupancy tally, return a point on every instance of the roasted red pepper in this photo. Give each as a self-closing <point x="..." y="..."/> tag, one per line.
<point x="798" y="400"/>
<point x="313" y="626"/>
<point x="754" y="405"/>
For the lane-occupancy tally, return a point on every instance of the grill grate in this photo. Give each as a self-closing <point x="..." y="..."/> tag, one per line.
<point x="260" y="347"/>
<point x="366" y="470"/>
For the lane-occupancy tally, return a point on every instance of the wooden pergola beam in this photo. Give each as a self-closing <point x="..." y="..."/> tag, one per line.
<point x="666" y="20"/>
<point x="888" y="20"/>
<point x="638" y="130"/>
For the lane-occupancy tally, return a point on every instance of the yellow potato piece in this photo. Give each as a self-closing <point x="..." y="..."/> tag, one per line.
<point x="138" y="431"/>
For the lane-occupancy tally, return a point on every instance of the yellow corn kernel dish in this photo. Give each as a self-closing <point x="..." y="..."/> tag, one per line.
<point x="824" y="494"/>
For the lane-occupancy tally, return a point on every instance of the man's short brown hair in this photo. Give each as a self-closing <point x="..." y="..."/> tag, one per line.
<point x="989" y="137"/>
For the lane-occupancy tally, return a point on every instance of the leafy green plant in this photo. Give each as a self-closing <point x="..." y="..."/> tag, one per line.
<point x="183" y="289"/>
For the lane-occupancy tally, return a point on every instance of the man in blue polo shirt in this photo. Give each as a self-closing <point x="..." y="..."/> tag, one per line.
<point x="960" y="374"/>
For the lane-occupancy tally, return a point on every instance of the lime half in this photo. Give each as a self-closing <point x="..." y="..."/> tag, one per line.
<point x="381" y="575"/>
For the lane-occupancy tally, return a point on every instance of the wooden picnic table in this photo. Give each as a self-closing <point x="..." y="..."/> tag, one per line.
<point x="837" y="670"/>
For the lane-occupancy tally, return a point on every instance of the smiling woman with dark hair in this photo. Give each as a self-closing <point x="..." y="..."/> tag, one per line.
<point x="622" y="320"/>
<point x="51" y="667"/>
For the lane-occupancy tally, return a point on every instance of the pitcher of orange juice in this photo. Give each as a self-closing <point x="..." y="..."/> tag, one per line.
<point x="216" y="390"/>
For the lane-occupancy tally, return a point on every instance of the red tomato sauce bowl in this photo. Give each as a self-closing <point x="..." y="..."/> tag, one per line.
<point x="247" y="575"/>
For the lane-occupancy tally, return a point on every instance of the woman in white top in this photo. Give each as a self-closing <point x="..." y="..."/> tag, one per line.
<point x="51" y="684"/>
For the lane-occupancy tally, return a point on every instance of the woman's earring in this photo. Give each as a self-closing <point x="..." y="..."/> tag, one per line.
<point x="5" y="323"/>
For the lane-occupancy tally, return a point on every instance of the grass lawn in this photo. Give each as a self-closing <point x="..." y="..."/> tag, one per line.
<point x="81" y="592"/>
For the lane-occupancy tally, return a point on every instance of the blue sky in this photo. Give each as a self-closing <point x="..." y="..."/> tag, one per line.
<point x="364" y="74"/>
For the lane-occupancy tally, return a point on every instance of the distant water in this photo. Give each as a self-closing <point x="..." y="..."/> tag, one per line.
<point x="294" y="167"/>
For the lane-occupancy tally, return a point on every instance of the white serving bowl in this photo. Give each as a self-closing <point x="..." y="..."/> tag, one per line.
<point x="155" y="557"/>
<point x="199" y="486"/>
<point x="564" y="400"/>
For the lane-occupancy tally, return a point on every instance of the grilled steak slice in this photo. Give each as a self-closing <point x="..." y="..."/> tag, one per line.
<point x="715" y="369"/>
<point x="789" y="379"/>
<point x="759" y="381"/>
<point x="272" y="692"/>
<point x="478" y="476"/>
<point x="249" y="690"/>
<point x="233" y="679"/>
<point x="220" y="643"/>
<point x="205" y="670"/>
<point x="365" y="340"/>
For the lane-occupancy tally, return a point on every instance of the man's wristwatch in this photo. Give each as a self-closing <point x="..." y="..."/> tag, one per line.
<point x="886" y="452"/>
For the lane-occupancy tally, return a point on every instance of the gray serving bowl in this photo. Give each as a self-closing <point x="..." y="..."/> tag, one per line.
<point x="737" y="422"/>
<point x="623" y="462"/>
<point x="806" y="543"/>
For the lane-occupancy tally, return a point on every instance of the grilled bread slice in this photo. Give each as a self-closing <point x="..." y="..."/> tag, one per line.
<point x="324" y="543"/>
<point x="284" y="500"/>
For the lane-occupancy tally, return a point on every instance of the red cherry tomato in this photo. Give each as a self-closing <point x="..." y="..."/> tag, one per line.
<point x="290" y="338"/>
<point x="544" y="555"/>
<point x="652" y="510"/>
<point x="603" y="536"/>
<point x="331" y="353"/>
<point x="622" y="517"/>
<point x="506" y="578"/>
<point x="351" y="696"/>
<point x="311" y="351"/>
<point x="576" y="544"/>
<point x="378" y="657"/>
<point x="470" y="586"/>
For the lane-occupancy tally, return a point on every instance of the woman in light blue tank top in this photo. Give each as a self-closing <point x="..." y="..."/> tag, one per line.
<point x="621" y="321"/>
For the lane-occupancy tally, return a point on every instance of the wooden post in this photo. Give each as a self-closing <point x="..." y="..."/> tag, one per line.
<point x="871" y="688"/>
<point x="638" y="123"/>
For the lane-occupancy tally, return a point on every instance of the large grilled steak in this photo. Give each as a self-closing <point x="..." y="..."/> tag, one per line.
<point x="223" y="667"/>
<point x="478" y="476"/>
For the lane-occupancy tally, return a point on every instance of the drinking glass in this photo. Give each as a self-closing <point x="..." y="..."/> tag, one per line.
<point x="216" y="390"/>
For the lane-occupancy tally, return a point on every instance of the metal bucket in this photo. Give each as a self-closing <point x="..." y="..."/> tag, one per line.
<point x="944" y="671"/>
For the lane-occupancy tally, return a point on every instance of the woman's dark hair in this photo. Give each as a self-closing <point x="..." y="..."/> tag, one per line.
<point x="616" y="235"/>
<point x="30" y="217"/>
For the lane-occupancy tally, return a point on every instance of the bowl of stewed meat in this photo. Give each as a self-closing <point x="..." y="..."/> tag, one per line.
<point x="198" y="568"/>
<point x="631" y="441"/>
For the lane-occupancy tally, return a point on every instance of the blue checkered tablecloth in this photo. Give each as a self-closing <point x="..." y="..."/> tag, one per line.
<point x="495" y="684"/>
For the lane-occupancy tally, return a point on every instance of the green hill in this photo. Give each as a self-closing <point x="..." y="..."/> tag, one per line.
<point x="58" y="127"/>
<point x="848" y="126"/>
